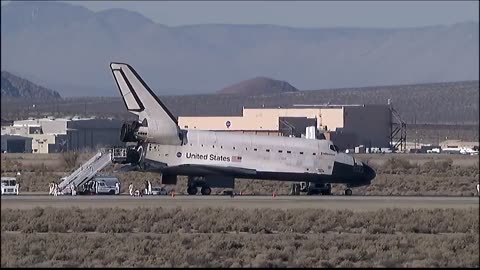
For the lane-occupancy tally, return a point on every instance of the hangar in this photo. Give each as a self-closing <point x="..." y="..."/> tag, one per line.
<point x="50" y="135"/>
<point x="346" y="125"/>
<point x="16" y="144"/>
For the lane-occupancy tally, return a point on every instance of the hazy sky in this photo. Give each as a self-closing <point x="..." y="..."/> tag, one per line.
<point x="300" y="13"/>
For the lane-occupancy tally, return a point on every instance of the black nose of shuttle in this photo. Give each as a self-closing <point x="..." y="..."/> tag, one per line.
<point x="368" y="172"/>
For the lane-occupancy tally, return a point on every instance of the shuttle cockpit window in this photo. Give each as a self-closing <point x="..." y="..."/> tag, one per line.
<point x="333" y="148"/>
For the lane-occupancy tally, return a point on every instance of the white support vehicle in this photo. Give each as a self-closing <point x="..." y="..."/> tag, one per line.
<point x="101" y="185"/>
<point x="107" y="185"/>
<point x="434" y="150"/>
<point x="159" y="191"/>
<point x="9" y="186"/>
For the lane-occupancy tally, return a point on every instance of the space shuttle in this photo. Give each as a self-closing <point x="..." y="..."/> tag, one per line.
<point x="213" y="159"/>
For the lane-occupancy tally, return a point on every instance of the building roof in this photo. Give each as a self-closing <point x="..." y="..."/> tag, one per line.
<point x="314" y="106"/>
<point x="95" y="123"/>
<point x="16" y="137"/>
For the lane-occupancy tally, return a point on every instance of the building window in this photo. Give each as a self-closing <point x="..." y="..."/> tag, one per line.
<point x="254" y="149"/>
<point x="289" y="152"/>
<point x="280" y="151"/>
<point x="268" y="150"/>
<point x="186" y="126"/>
<point x="234" y="148"/>
<point x="314" y="154"/>
<point x="301" y="153"/>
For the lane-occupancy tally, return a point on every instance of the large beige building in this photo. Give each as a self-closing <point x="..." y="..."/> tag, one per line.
<point x="346" y="125"/>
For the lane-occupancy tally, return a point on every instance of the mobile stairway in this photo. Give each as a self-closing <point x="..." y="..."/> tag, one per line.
<point x="89" y="169"/>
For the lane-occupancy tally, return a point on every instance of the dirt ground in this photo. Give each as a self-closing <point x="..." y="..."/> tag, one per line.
<point x="354" y="203"/>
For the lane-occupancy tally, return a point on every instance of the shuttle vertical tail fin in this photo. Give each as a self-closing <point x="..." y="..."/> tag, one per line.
<point x="142" y="101"/>
<point x="137" y="95"/>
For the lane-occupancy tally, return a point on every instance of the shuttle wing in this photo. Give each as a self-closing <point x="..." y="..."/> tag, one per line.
<point x="212" y="169"/>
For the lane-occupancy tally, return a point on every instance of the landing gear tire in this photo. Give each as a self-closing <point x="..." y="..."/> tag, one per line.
<point x="192" y="190"/>
<point x="348" y="192"/>
<point x="328" y="190"/>
<point x="206" y="190"/>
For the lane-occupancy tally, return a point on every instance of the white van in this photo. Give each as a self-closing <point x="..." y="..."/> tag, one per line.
<point x="106" y="185"/>
<point x="9" y="186"/>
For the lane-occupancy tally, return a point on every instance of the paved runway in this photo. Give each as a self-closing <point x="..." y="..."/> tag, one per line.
<point x="355" y="203"/>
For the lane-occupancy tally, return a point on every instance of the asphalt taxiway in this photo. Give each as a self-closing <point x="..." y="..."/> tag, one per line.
<point x="354" y="203"/>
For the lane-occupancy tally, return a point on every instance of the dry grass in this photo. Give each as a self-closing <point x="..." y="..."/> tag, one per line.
<point x="239" y="238"/>
<point x="221" y="220"/>
<point x="70" y="159"/>
<point x="234" y="250"/>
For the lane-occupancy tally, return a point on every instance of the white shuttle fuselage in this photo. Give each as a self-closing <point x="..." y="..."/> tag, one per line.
<point x="220" y="157"/>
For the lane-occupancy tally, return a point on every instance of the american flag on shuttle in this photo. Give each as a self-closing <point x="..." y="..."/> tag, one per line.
<point x="236" y="159"/>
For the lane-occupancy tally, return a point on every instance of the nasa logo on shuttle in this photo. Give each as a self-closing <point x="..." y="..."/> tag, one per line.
<point x="179" y="154"/>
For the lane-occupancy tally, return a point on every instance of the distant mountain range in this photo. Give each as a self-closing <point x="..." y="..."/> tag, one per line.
<point x="258" y="86"/>
<point x="16" y="87"/>
<point x="69" y="48"/>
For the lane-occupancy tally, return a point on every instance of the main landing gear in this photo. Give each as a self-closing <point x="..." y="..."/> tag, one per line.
<point x="194" y="183"/>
